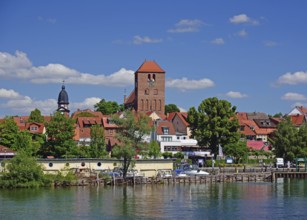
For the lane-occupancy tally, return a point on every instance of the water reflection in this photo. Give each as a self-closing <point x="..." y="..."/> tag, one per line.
<point x="284" y="199"/>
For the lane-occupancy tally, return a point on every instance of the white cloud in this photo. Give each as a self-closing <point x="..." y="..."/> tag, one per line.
<point x="242" y="33"/>
<point x="88" y="103"/>
<point x="218" y="41"/>
<point x="187" y="25"/>
<point x="293" y="78"/>
<point x="145" y="40"/>
<point x="18" y="66"/>
<point x="242" y="19"/>
<point x="24" y="105"/>
<point x="235" y="95"/>
<point x="270" y="43"/>
<point x="8" y="94"/>
<point x="292" y="96"/>
<point x="186" y="84"/>
<point x="182" y="109"/>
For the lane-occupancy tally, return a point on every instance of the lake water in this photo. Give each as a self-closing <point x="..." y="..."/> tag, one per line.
<point x="284" y="199"/>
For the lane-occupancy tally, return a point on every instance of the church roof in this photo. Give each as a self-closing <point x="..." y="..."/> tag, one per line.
<point x="150" y="67"/>
<point x="63" y="96"/>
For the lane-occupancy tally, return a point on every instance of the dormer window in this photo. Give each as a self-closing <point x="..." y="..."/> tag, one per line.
<point x="165" y="130"/>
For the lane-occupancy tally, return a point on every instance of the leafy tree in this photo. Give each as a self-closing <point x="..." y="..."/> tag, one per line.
<point x="107" y="107"/>
<point x="8" y="131"/>
<point x="132" y="130"/>
<point x="24" y="143"/>
<point x="60" y="131"/>
<point x="214" y="123"/>
<point x="289" y="141"/>
<point x="237" y="150"/>
<point x="171" y="108"/>
<point x="36" y="116"/>
<point x="23" y="171"/>
<point x="154" y="149"/>
<point x="98" y="146"/>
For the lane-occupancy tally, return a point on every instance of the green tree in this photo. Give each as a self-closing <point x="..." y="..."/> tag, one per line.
<point x="98" y="146"/>
<point x="237" y="150"/>
<point x="36" y="116"/>
<point x="107" y="107"/>
<point x="171" y="108"/>
<point x="23" y="171"/>
<point x="214" y="123"/>
<point x="60" y="131"/>
<point x="132" y="130"/>
<point x="8" y="131"/>
<point x="289" y="141"/>
<point x="154" y="149"/>
<point x="24" y="143"/>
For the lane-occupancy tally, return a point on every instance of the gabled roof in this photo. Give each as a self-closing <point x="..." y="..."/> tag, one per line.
<point x="165" y="124"/>
<point x="150" y="67"/>
<point x="95" y="114"/>
<point x="130" y="98"/>
<point x="297" y="120"/>
<point x="257" y="145"/>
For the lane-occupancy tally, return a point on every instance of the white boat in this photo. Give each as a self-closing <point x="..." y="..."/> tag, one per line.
<point x="190" y="170"/>
<point x="165" y="173"/>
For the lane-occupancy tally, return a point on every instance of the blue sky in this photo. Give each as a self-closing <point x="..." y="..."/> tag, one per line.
<point x="250" y="53"/>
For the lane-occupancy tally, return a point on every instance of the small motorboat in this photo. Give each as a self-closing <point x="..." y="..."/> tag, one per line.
<point x="190" y="170"/>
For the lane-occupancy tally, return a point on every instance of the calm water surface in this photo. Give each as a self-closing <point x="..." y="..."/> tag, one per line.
<point x="285" y="199"/>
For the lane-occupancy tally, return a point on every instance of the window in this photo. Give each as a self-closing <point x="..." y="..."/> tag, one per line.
<point x="83" y="164"/>
<point x="50" y="164"/>
<point x="146" y="91"/>
<point x="33" y="128"/>
<point x="165" y="130"/>
<point x="166" y="138"/>
<point x="99" y="164"/>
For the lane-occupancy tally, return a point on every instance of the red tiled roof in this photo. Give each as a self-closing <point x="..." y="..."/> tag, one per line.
<point x="150" y="67"/>
<point x="241" y="116"/>
<point x="257" y="145"/>
<point x="297" y="120"/>
<point x="167" y="124"/>
<point x="130" y="98"/>
<point x="95" y="114"/>
<point x="303" y="110"/>
<point x="5" y="150"/>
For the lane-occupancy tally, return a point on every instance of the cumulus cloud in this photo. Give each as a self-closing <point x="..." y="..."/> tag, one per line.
<point x="243" y="19"/>
<point x="145" y="40"/>
<point x="218" y="41"/>
<point x="88" y="103"/>
<point x="292" y="96"/>
<point x="299" y="77"/>
<point x="19" y="66"/>
<point x="186" y="84"/>
<point x="235" y="95"/>
<point x="25" y="104"/>
<point x="187" y="25"/>
<point x="8" y="94"/>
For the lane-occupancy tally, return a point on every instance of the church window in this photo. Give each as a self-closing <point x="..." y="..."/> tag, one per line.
<point x="146" y="91"/>
<point x="142" y="104"/>
<point x="154" y="77"/>
<point x="159" y="104"/>
<point x="146" y="104"/>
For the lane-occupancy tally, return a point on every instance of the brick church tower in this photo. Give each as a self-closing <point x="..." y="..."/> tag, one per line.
<point x="149" y="89"/>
